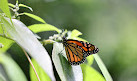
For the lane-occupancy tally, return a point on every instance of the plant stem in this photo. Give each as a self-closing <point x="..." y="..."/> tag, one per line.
<point x="31" y="64"/>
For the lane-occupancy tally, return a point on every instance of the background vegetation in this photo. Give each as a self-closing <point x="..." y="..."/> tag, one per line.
<point x="109" y="24"/>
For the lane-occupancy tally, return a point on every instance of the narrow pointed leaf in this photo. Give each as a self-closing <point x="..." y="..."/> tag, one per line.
<point x="43" y="27"/>
<point x="22" y="5"/>
<point x="75" y="33"/>
<point x="34" y="17"/>
<point x="11" y="5"/>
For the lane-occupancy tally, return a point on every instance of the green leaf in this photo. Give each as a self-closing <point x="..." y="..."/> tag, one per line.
<point x="90" y="60"/>
<point x="6" y="42"/>
<point x="13" y="71"/>
<point x="43" y="27"/>
<point x="11" y="5"/>
<point x="5" y="8"/>
<point x="34" y="17"/>
<point x="42" y="75"/>
<point x="90" y="74"/>
<point x="64" y="69"/>
<point x="22" y="5"/>
<point x="103" y="68"/>
<point x="75" y="33"/>
<point x="27" y="40"/>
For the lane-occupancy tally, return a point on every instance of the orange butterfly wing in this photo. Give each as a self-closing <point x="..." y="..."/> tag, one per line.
<point x="77" y="51"/>
<point x="75" y="55"/>
<point x="87" y="47"/>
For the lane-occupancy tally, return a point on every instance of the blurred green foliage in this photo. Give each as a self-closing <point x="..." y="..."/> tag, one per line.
<point x="12" y="70"/>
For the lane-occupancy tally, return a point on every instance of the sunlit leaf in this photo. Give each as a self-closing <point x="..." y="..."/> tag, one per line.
<point x="34" y="17"/>
<point x="41" y="73"/>
<point x="6" y="42"/>
<point x="90" y="74"/>
<point x="11" y="5"/>
<point x="90" y="60"/>
<point x="5" y="8"/>
<point x="27" y="40"/>
<point x="22" y="5"/>
<point x="43" y="27"/>
<point x="65" y="70"/>
<point x="13" y="71"/>
<point x="75" y="33"/>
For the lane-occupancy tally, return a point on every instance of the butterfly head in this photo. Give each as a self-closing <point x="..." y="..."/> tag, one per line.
<point x="64" y="40"/>
<point x="96" y="50"/>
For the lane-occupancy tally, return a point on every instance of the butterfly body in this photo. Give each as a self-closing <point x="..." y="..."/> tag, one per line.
<point x="77" y="51"/>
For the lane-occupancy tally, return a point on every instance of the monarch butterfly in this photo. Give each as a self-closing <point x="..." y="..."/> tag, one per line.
<point x="77" y="51"/>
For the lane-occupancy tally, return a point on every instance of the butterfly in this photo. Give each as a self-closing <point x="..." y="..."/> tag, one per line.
<point x="77" y="51"/>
